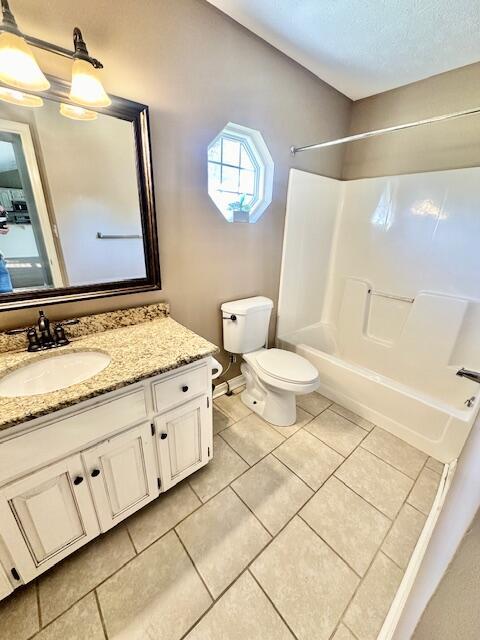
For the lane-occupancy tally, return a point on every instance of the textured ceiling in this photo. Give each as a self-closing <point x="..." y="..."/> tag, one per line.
<point x="363" y="47"/>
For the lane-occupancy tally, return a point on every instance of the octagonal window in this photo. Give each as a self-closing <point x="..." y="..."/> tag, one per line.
<point x="240" y="173"/>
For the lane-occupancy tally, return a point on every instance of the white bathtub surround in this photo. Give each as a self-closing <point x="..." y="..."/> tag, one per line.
<point x="229" y="551"/>
<point x="392" y="359"/>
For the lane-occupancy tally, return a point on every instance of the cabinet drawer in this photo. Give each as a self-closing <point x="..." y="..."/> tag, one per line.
<point x="180" y="388"/>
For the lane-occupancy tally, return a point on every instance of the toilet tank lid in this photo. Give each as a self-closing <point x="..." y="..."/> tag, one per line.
<point x="247" y="305"/>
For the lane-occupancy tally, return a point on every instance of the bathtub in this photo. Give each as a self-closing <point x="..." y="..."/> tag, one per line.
<point x="437" y="425"/>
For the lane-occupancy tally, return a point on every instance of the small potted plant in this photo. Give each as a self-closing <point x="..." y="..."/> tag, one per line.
<point x="240" y="209"/>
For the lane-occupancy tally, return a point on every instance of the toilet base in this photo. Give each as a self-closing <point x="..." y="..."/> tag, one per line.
<point x="278" y="407"/>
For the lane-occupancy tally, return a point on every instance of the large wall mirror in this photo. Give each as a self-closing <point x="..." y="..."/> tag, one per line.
<point x="77" y="213"/>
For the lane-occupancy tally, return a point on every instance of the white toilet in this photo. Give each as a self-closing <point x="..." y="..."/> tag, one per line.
<point x="273" y="376"/>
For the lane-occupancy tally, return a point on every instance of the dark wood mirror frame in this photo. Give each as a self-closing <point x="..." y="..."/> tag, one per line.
<point x="137" y="114"/>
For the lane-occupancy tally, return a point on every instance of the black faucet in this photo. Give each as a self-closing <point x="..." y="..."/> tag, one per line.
<point x="44" y="339"/>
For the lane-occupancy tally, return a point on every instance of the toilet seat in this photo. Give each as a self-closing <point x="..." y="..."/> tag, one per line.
<point x="283" y="369"/>
<point x="286" y="366"/>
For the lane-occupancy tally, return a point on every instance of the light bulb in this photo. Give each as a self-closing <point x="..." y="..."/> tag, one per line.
<point x="77" y="113"/>
<point x="18" y="67"/>
<point x="86" y="89"/>
<point x="21" y="99"/>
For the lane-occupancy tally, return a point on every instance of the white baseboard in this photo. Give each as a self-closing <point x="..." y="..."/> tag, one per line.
<point x="221" y="389"/>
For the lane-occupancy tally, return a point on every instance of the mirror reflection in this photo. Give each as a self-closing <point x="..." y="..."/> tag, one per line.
<point x="69" y="200"/>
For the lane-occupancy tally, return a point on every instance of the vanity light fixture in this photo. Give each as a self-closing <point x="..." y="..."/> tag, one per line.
<point x="13" y="96"/>
<point x="20" y="70"/>
<point x="77" y="113"/>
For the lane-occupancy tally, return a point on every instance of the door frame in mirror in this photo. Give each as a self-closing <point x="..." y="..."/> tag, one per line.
<point x="138" y="115"/>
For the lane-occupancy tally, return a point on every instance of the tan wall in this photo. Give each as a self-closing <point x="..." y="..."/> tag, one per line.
<point x="197" y="70"/>
<point x="448" y="145"/>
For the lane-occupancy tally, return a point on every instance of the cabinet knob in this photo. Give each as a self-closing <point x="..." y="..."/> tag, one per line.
<point x="78" y="480"/>
<point x="95" y="473"/>
<point x="163" y="436"/>
<point x="184" y="388"/>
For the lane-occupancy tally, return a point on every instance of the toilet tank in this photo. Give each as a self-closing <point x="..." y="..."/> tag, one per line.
<point x="245" y="324"/>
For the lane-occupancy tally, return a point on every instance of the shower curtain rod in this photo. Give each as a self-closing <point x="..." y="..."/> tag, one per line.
<point x="379" y="132"/>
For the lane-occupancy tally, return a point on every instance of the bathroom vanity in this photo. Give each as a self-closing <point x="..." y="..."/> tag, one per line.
<point x="118" y="440"/>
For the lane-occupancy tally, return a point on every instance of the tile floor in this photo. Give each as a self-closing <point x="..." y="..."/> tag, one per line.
<point x="300" y="532"/>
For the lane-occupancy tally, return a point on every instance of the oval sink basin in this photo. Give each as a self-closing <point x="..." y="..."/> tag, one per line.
<point x="59" y="371"/>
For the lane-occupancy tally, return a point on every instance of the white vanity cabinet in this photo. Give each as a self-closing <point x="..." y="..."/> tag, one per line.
<point x="66" y="478"/>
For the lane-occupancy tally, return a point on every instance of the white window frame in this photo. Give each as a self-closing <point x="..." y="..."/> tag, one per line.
<point x="264" y="168"/>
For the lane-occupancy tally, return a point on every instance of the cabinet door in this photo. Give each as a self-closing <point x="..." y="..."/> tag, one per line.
<point x="47" y="515"/>
<point x="184" y="440"/>
<point x="122" y="474"/>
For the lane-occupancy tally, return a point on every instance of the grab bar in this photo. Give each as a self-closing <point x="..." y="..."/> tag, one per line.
<point x="104" y="236"/>
<point x="471" y="375"/>
<point x="381" y="294"/>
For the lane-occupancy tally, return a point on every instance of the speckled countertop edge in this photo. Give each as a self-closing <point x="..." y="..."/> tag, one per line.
<point x="137" y="352"/>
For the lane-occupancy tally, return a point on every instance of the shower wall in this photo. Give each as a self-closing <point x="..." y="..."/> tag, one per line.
<point x="414" y="237"/>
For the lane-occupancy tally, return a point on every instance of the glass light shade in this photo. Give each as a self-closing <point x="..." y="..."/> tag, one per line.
<point x="76" y="113"/>
<point x="22" y="99"/>
<point x="18" y="67"/>
<point x="86" y="89"/>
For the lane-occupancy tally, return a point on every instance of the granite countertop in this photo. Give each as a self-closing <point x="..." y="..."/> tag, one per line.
<point x="137" y="352"/>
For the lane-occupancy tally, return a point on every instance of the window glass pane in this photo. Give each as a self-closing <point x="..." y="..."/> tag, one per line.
<point x="214" y="152"/>
<point x="230" y="179"/>
<point x="213" y="176"/>
<point x="231" y="152"/>
<point x="247" y="181"/>
<point x="245" y="161"/>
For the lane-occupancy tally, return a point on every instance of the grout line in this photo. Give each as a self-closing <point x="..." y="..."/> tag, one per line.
<point x="100" y="612"/>
<point x="375" y="426"/>
<point x="332" y="447"/>
<point x="365" y="499"/>
<point x="131" y="539"/>
<point x="392" y="466"/>
<point x="272" y="603"/>
<point x="197" y="570"/>
<point x="193" y="491"/>
<point x="359" y="576"/>
<point x="272" y="535"/>
<point x="39" y="609"/>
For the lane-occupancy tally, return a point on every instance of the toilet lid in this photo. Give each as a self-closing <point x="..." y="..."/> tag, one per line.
<point x="286" y="366"/>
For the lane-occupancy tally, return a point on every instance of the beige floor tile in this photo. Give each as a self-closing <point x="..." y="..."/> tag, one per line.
<point x="156" y="595"/>
<point x="78" y="574"/>
<point x="225" y="466"/>
<point x="302" y="419"/>
<point x="242" y="613"/>
<point x="376" y="481"/>
<point x="232" y="406"/>
<point x="369" y="607"/>
<point x="336" y="431"/>
<point x="424" y="492"/>
<point x="402" y="537"/>
<point x="396" y="452"/>
<point x="342" y="633"/>
<point x="353" y="417"/>
<point x="19" y="614"/>
<point x="309" y="458"/>
<point x="81" y="622"/>
<point x="435" y="465"/>
<point x="351" y="526"/>
<point x="272" y="492"/>
<point x="220" y="421"/>
<point x="252" y="438"/>
<point x="161" y="515"/>
<point x="222" y="537"/>
<point x="313" y="403"/>
<point x="307" y="582"/>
